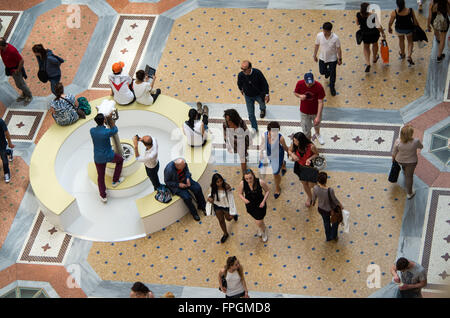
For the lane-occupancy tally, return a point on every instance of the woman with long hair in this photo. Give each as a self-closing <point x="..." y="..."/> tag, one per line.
<point x="370" y="35"/>
<point x="64" y="108"/>
<point x="236" y="136"/>
<point x="323" y="193"/>
<point x="233" y="274"/>
<point x="222" y="200"/>
<point x="49" y="63"/>
<point x="405" y="153"/>
<point x="439" y="9"/>
<point x="251" y="192"/>
<point x="303" y="152"/>
<point x="405" y="20"/>
<point x="196" y="130"/>
<point x="273" y="143"/>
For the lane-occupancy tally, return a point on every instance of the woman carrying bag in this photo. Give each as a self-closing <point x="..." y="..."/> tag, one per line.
<point x="327" y="202"/>
<point x="233" y="275"/>
<point x="49" y="66"/>
<point x="63" y="108"/>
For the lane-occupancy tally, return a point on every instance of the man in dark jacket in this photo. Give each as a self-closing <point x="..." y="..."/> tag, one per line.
<point x="253" y="85"/>
<point x="178" y="179"/>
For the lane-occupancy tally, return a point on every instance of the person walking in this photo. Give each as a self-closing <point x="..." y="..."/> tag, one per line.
<point x="274" y="144"/>
<point x="236" y="136"/>
<point x="14" y="66"/>
<point x="233" y="275"/>
<point x="303" y="151"/>
<point x="438" y="18"/>
<point x="5" y="141"/>
<point x="103" y="153"/>
<point x="311" y="94"/>
<point x="222" y="200"/>
<point x="254" y="87"/>
<point x="149" y="158"/>
<point x="412" y="278"/>
<point x="330" y="54"/>
<point x="251" y="192"/>
<point x="50" y="63"/>
<point x="178" y="179"/>
<point x="405" y="153"/>
<point x="322" y="193"/>
<point x="370" y="33"/>
<point x="405" y="20"/>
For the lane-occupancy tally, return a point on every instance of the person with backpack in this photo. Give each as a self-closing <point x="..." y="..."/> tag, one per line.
<point x="49" y="65"/>
<point x="64" y="108"/>
<point x="149" y="158"/>
<point x="438" y="18"/>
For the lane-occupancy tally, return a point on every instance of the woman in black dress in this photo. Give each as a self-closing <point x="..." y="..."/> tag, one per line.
<point x="251" y="192"/>
<point x="370" y="34"/>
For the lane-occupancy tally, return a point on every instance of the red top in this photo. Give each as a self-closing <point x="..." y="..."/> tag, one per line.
<point x="11" y="57"/>
<point x="308" y="154"/>
<point x="310" y="105"/>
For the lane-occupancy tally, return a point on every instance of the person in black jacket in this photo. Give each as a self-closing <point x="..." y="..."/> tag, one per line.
<point x="253" y="85"/>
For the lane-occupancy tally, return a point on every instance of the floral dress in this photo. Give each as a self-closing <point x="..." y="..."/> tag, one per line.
<point x="65" y="113"/>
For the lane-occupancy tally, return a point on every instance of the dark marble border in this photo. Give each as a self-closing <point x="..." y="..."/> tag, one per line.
<point x="15" y="16"/>
<point x="33" y="129"/>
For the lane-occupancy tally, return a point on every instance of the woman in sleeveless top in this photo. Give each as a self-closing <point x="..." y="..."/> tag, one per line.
<point x="320" y="192"/>
<point x="440" y="7"/>
<point x="236" y="136"/>
<point x="370" y="35"/>
<point x="405" y="20"/>
<point x="233" y="273"/>
<point x="303" y="151"/>
<point x="274" y="145"/>
<point x="251" y="192"/>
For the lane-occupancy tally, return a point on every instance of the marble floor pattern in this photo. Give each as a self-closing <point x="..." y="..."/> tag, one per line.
<point x="196" y="47"/>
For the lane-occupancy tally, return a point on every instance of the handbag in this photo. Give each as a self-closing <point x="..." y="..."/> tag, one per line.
<point x="384" y="50"/>
<point x="395" y="171"/>
<point x="419" y="35"/>
<point x="224" y="282"/>
<point x="336" y="212"/>
<point x="320" y="162"/>
<point x="359" y="37"/>
<point x="42" y="73"/>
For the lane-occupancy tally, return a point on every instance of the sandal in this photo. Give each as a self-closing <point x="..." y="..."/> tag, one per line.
<point x="376" y="59"/>
<point x="402" y="56"/>
<point x="410" y="61"/>
<point x="277" y="195"/>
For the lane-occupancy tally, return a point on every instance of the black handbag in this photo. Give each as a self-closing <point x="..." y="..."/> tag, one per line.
<point x="224" y="282"/>
<point x="395" y="171"/>
<point x="359" y="37"/>
<point x="42" y="73"/>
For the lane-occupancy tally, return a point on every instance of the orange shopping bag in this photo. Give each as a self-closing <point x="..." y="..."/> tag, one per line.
<point x="384" y="51"/>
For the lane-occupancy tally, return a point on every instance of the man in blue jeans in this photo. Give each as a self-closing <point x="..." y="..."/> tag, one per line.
<point x="5" y="140"/>
<point x="179" y="180"/>
<point x="253" y="85"/>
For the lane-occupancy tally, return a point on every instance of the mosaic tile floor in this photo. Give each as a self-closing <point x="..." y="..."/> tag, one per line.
<point x="198" y="58"/>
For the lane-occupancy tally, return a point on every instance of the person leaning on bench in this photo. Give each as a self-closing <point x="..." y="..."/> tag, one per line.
<point x="178" y="179"/>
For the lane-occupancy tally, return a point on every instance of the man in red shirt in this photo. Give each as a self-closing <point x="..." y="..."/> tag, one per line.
<point x="14" y="67"/>
<point x="311" y="94"/>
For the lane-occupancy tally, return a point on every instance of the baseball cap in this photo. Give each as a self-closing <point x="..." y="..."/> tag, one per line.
<point x="309" y="78"/>
<point x="117" y="67"/>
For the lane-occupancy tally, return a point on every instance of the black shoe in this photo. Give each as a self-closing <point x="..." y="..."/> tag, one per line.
<point x="367" y="69"/>
<point x="235" y="217"/>
<point x="155" y="96"/>
<point x="333" y="91"/>
<point x="196" y="217"/>
<point x="263" y="114"/>
<point x="224" y="238"/>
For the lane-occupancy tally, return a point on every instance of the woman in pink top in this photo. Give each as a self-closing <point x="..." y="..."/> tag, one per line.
<point x="405" y="153"/>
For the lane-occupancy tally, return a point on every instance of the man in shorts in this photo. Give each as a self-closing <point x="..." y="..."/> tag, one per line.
<point x="311" y="94"/>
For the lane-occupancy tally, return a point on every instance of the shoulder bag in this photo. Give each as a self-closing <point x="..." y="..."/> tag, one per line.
<point x="42" y="73"/>
<point x="79" y="111"/>
<point x="336" y="212"/>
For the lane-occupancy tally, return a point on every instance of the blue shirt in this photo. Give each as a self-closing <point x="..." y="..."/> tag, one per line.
<point x="103" y="151"/>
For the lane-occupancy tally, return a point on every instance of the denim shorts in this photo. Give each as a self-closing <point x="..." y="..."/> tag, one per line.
<point x="403" y="31"/>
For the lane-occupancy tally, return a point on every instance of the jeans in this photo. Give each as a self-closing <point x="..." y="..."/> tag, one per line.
<point x="101" y="167"/>
<point x="331" y="230"/>
<point x="20" y="83"/>
<point x="152" y="173"/>
<point x="4" y="156"/>
<point x="329" y="68"/>
<point x="186" y="196"/>
<point x="53" y="81"/>
<point x="250" y="101"/>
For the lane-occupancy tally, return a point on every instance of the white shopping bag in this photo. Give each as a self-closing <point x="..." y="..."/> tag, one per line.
<point x="345" y="220"/>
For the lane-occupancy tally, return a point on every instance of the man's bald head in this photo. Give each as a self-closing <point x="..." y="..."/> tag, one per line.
<point x="246" y="65"/>
<point x="147" y="141"/>
<point x="180" y="164"/>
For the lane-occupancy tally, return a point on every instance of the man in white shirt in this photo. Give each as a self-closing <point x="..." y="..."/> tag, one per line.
<point x="150" y="158"/>
<point x="330" y="54"/>
<point x="120" y="85"/>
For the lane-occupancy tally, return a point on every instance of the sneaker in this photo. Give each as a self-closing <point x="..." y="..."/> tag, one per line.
<point x="224" y="238"/>
<point x="262" y="114"/>
<point x="7" y="177"/>
<point x="28" y="99"/>
<point x="410" y="196"/>
<point x="115" y="184"/>
<point x="320" y="139"/>
<point x="103" y="199"/>
<point x="258" y="233"/>
<point x="235" y="217"/>
<point x="265" y="235"/>
<point x="20" y="98"/>
<point x="196" y="217"/>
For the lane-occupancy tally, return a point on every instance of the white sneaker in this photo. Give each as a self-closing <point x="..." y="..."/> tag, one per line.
<point x="258" y="233"/>
<point x="265" y="235"/>
<point x="7" y="177"/>
<point x="115" y="184"/>
<point x="320" y="139"/>
<point x="410" y="196"/>
<point x="104" y="200"/>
